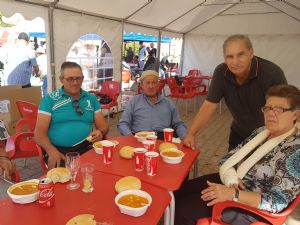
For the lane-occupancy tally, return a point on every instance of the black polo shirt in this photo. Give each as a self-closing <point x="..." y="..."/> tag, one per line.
<point x="245" y="101"/>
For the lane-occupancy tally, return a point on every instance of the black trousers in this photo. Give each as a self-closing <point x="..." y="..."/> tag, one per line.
<point x="189" y="206"/>
<point x="81" y="148"/>
<point x="234" y="139"/>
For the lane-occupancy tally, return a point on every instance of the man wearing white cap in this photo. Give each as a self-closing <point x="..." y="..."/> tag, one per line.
<point x="150" y="111"/>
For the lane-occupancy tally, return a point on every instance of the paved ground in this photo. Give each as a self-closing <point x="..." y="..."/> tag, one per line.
<point x="212" y="141"/>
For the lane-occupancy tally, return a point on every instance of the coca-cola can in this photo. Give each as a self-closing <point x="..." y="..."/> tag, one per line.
<point x="151" y="163"/>
<point x="46" y="195"/>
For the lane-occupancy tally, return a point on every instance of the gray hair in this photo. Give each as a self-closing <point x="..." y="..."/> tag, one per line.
<point x="237" y="37"/>
<point x="67" y="65"/>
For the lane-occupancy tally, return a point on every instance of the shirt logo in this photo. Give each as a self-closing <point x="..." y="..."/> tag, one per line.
<point x="88" y="107"/>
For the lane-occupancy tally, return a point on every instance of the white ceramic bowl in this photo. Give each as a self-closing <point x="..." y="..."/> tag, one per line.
<point x="172" y="159"/>
<point x="143" y="138"/>
<point x="135" y="212"/>
<point x="23" y="199"/>
<point x="98" y="150"/>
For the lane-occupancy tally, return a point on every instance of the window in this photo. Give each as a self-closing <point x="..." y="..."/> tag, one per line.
<point x="94" y="56"/>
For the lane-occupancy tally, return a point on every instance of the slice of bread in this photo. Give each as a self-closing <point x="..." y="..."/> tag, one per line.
<point x="82" y="219"/>
<point x="128" y="183"/>
<point x="126" y="152"/>
<point x="59" y="174"/>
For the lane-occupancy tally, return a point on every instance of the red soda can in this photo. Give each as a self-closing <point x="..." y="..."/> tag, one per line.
<point x="151" y="163"/>
<point x="46" y="195"/>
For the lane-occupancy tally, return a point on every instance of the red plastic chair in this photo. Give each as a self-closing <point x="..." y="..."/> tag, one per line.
<point x="178" y="92"/>
<point x="111" y="89"/>
<point x="27" y="110"/>
<point x="273" y="218"/>
<point x="194" y="73"/>
<point x="162" y="83"/>
<point x="43" y="163"/>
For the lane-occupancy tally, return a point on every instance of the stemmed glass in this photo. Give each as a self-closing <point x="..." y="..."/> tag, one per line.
<point x="73" y="164"/>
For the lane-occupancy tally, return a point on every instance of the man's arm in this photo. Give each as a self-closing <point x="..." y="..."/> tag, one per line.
<point x="41" y="137"/>
<point x="5" y="163"/>
<point x="101" y="127"/>
<point x="204" y="114"/>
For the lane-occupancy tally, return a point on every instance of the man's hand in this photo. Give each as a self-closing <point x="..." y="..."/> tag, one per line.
<point x="54" y="159"/>
<point x="189" y="141"/>
<point x="96" y="135"/>
<point x="6" y="166"/>
<point x="217" y="193"/>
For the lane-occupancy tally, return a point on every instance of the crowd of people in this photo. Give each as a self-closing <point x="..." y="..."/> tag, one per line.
<point x="261" y="168"/>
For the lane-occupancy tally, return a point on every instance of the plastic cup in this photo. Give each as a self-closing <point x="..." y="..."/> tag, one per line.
<point x="168" y="134"/>
<point x="108" y="148"/>
<point x="151" y="163"/>
<point x="87" y="171"/>
<point x="149" y="145"/>
<point x="152" y="138"/>
<point x="139" y="158"/>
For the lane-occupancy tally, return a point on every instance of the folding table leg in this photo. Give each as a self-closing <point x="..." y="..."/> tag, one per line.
<point x="167" y="216"/>
<point x="172" y="208"/>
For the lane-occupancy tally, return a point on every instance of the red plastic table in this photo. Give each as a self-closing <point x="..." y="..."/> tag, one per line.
<point x="169" y="177"/>
<point x="100" y="203"/>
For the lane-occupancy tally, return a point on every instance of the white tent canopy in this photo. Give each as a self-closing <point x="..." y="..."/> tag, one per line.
<point x="273" y="26"/>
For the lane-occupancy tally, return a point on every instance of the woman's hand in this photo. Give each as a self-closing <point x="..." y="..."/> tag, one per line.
<point x="239" y="186"/>
<point x="217" y="193"/>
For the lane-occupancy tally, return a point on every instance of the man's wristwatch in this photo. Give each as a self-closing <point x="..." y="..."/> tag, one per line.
<point x="236" y="195"/>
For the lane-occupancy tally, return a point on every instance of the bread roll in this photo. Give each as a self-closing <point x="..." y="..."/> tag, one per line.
<point x="128" y="183"/>
<point x="126" y="152"/>
<point x="166" y="145"/>
<point x="59" y="174"/>
<point x="89" y="138"/>
<point x="83" y="219"/>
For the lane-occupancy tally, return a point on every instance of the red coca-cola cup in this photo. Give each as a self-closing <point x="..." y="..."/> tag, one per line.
<point x="152" y="137"/>
<point x="151" y="163"/>
<point x="139" y="158"/>
<point x="168" y="134"/>
<point x="46" y="195"/>
<point x="108" y="148"/>
<point x="149" y="145"/>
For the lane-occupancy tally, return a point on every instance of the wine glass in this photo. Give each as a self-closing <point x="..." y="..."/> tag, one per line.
<point x="73" y="164"/>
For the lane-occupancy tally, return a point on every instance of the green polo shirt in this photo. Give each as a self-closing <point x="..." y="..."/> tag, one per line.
<point x="245" y="101"/>
<point x="67" y="127"/>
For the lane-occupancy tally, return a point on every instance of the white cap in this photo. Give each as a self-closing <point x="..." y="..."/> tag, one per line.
<point x="149" y="73"/>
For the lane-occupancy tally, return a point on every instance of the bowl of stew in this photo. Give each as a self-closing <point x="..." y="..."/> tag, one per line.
<point x="133" y="202"/>
<point x="172" y="156"/>
<point x="24" y="192"/>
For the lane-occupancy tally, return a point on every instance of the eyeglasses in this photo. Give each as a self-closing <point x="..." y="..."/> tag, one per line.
<point x="71" y="79"/>
<point x="76" y="105"/>
<point x="275" y="109"/>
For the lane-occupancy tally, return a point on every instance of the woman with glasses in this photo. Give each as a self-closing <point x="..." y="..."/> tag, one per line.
<point x="262" y="172"/>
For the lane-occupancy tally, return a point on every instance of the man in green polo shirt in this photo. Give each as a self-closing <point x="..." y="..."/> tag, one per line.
<point x="68" y="116"/>
<point x="242" y="80"/>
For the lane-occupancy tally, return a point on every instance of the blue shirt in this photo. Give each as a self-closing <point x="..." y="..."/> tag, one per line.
<point x="67" y="127"/>
<point x="142" y="115"/>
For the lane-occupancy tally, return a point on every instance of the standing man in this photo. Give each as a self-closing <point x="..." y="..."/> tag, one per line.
<point x="150" y="111"/>
<point x="243" y="80"/>
<point x="153" y="50"/>
<point x="142" y="55"/>
<point x="67" y="117"/>
<point x="21" y="62"/>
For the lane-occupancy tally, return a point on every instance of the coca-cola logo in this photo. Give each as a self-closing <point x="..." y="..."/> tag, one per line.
<point x="46" y="193"/>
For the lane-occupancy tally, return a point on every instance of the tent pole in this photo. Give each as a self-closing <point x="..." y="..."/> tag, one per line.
<point x="181" y="56"/>
<point x="51" y="49"/>
<point x="158" y="46"/>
